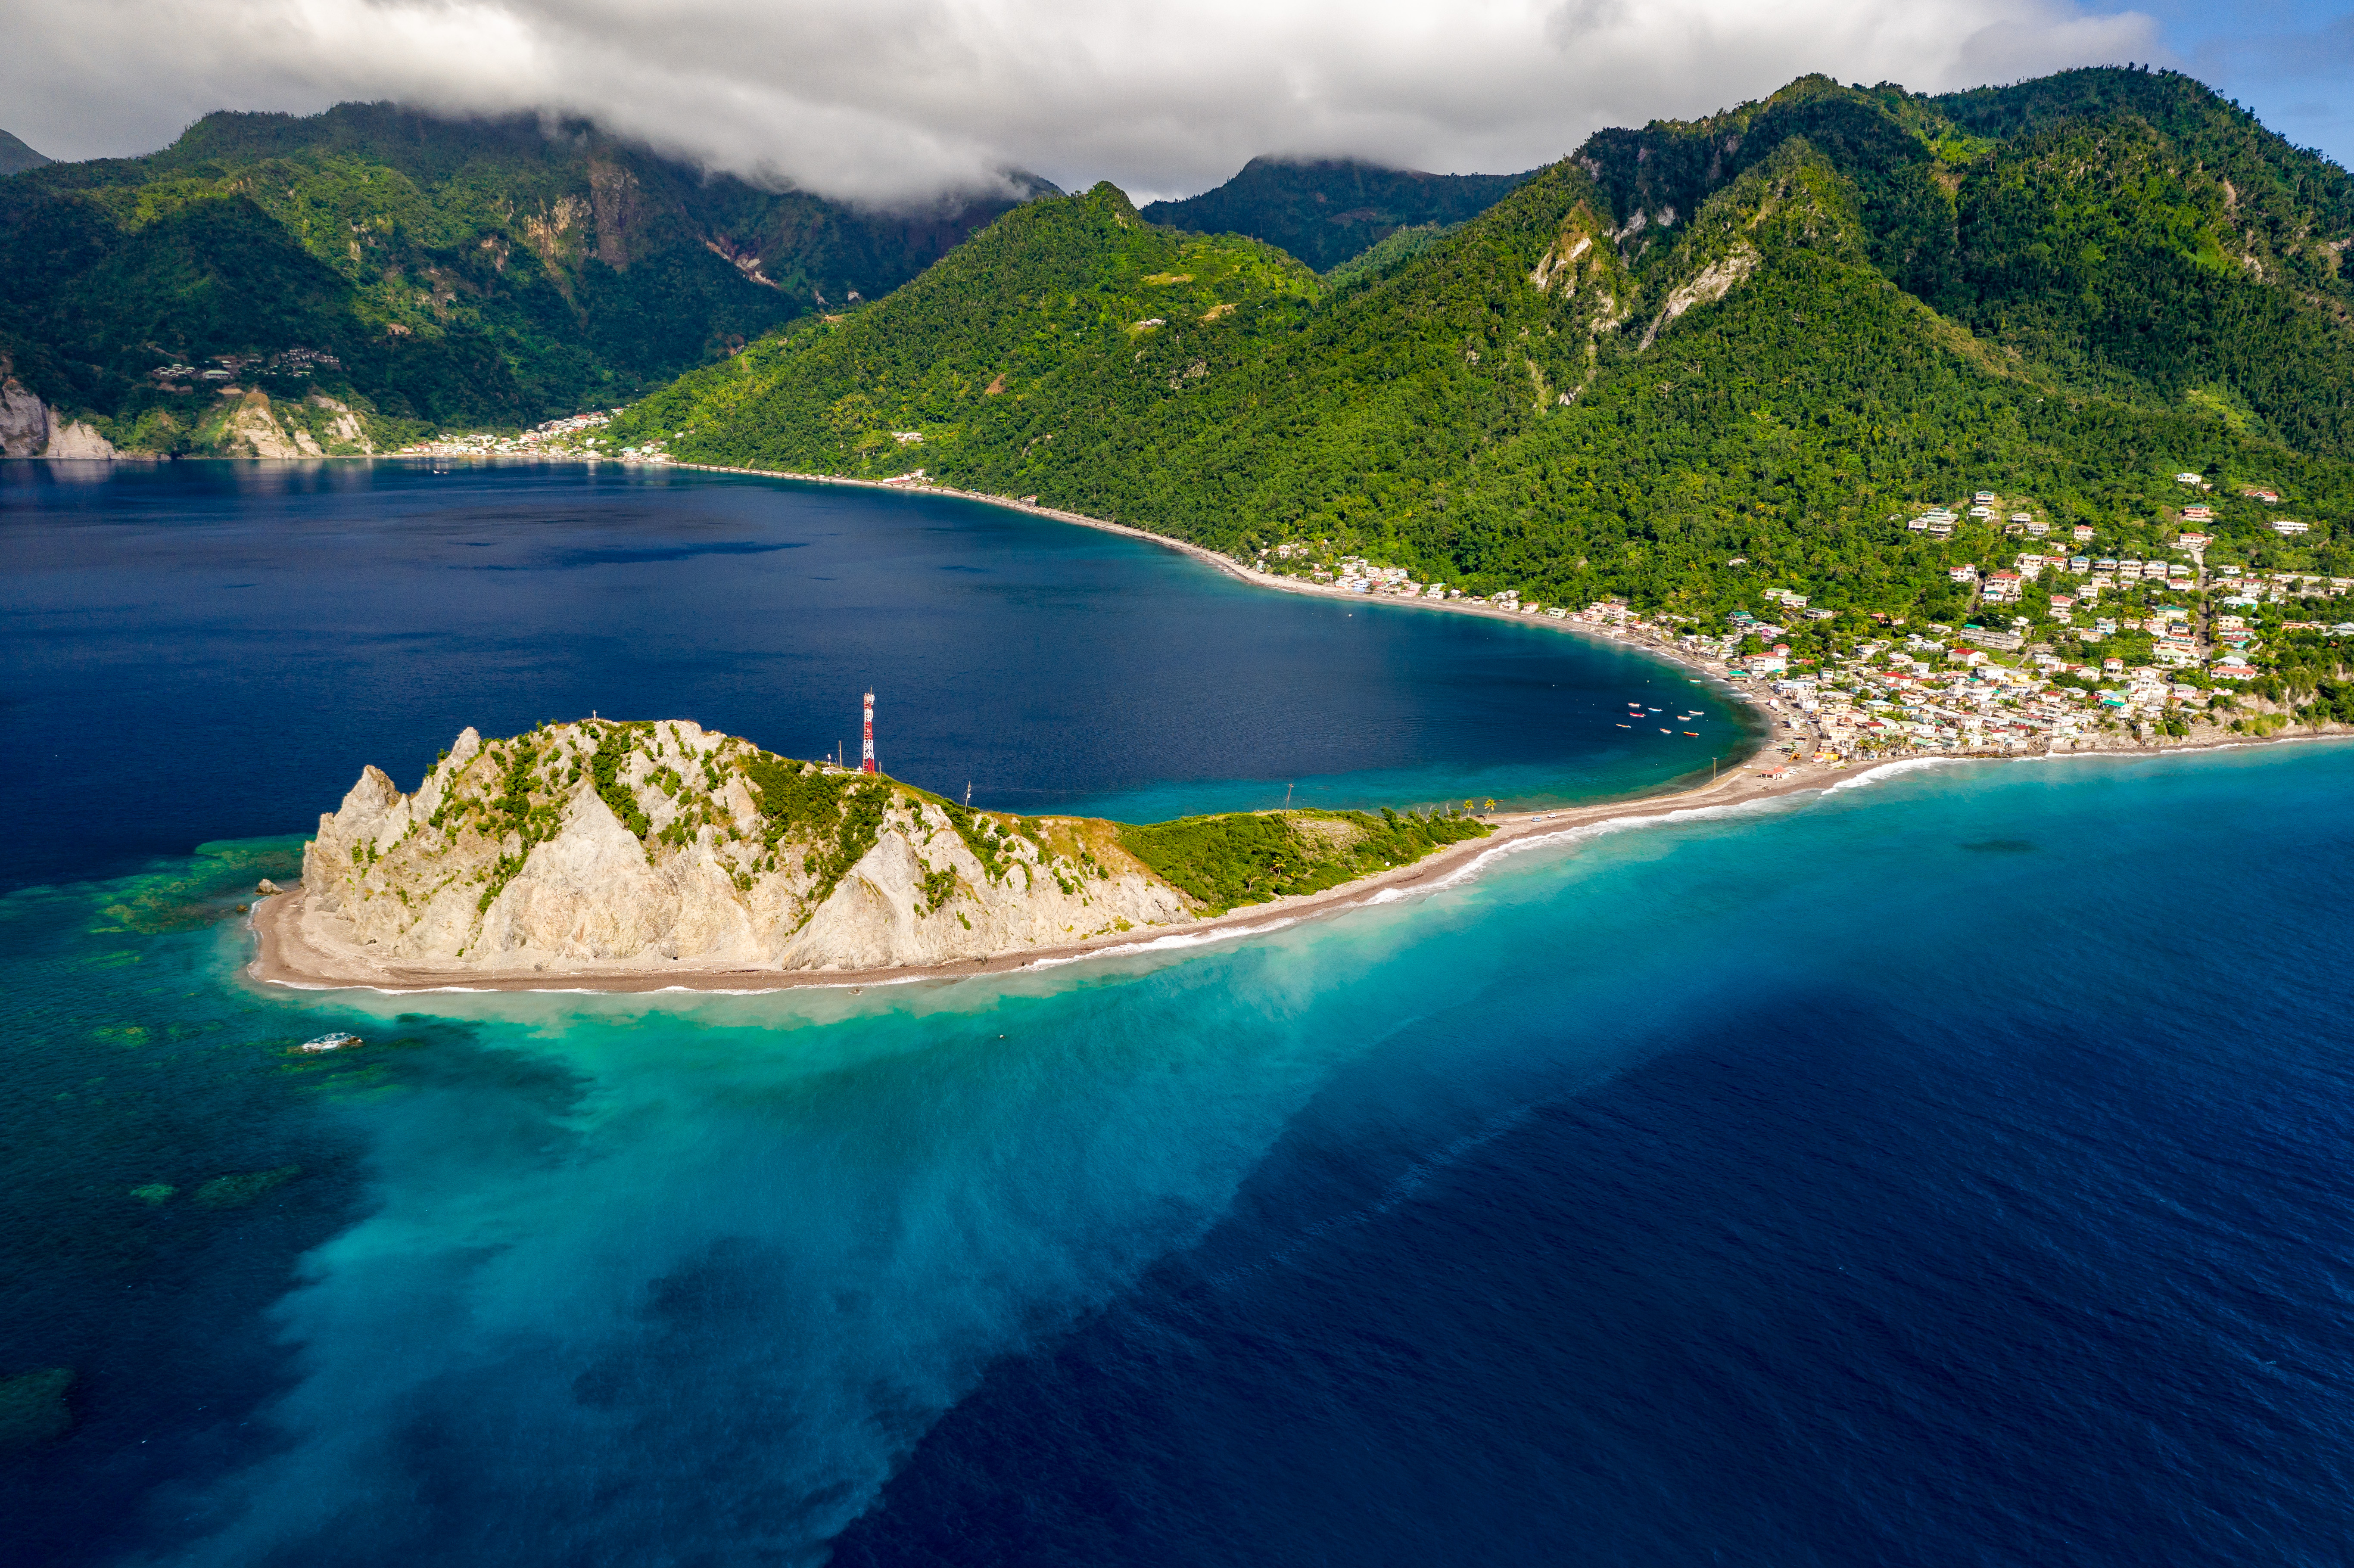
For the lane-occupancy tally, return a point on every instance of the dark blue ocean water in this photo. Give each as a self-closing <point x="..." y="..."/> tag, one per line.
<point x="252" y="633"/>
<point x="1948" y="1169"/>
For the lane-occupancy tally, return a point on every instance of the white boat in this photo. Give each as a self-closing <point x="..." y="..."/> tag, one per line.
<point x="335" y="1042"/>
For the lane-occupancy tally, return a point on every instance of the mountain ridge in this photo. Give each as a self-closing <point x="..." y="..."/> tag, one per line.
<point x="1688" y="365"/>
<point x="422" y="269"/>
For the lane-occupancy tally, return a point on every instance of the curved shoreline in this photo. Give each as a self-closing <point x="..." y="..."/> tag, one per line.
<point x="1223" y="563"/>
<point x="280" y="959"/>
<point x="1229" y="566"/>
<point x="284" y="959"/>
<point x="277" y="960"/>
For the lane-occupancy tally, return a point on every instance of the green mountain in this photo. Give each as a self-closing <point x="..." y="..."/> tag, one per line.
<point x="1688" y="365"/>
<point x="428" y="271"/>
<point x="16" y="157"/>
<point x="1326" y="211"/>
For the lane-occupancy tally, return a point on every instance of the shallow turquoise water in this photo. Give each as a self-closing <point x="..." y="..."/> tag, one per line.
<point x="1906" y="1174"/>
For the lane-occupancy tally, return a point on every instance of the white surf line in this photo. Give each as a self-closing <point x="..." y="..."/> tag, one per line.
<point x="1175" y="942"/>
<point x="1485" y="858"/>
<point x="1907" y="765"/>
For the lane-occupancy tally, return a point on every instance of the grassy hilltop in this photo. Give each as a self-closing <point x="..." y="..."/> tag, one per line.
<point x="485" y="271"/>
<point x="1691" y="362"/>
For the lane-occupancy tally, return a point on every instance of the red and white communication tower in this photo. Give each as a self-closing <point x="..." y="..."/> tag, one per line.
<point x="866" y="752"/>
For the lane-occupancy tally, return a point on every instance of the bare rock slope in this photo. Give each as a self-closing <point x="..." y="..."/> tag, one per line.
<point x="610" y="847"/>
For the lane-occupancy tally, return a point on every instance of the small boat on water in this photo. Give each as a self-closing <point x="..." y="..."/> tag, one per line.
<point x="335" y="1042"/>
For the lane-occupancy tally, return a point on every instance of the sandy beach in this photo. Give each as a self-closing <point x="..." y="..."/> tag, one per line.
<point x="284" y="958"/>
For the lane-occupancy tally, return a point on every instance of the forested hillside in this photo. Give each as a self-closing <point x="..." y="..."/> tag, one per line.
<point x="1688" y="365"/>
<point x="428" y="270"/>
<point x="1325" y="211"/>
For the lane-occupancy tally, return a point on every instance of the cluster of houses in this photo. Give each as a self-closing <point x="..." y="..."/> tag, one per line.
<point x="227" y="367"/>
<point x="1946" y="691"/>
<point x="1976" y="688"/>
<point x="567" y="435"/>
<point x="1930" y="694"/>
<point x="1354" y="574"/>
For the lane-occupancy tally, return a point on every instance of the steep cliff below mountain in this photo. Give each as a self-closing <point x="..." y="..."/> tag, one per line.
<point x="27" y="428"/>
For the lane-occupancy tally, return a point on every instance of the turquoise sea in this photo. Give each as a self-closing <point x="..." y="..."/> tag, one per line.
<point x="1950" y="1168"/>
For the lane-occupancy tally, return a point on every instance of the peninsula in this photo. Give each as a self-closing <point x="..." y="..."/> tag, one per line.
<point x="625" y="855"/>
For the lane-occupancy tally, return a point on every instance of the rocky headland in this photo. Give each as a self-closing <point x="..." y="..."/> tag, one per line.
<point x="608" y="852"/>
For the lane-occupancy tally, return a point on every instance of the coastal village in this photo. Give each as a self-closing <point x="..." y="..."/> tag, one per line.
<point x="568" y="437"/>
<point x="2073" y="639"/>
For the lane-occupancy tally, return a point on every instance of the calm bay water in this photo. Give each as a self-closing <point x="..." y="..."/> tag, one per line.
<point x="252" y="633"/>
<point x="1949" y="1169"/>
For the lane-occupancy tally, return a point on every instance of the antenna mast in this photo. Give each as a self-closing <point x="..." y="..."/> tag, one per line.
<point x="866" y="751"/>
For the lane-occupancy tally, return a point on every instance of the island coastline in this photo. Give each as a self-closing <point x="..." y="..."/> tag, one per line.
<point x="280" y="955"/>
<point x="284" y="960"/>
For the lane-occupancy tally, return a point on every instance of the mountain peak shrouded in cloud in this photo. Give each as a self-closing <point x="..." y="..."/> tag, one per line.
<point x="16" y="157"/>
<point x="900" y="100"/>
<point x="378" y="263"/>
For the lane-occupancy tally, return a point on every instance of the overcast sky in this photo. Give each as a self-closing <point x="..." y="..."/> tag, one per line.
<point x="890" y="100"/>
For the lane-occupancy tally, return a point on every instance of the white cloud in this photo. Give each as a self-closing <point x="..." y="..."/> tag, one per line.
<point x="889" y="100"/>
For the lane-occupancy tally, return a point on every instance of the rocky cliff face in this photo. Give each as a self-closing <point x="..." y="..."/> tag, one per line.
<point x="632" y="848"/>
<point x="27" y="428"/>
<point x="319" y="426"/>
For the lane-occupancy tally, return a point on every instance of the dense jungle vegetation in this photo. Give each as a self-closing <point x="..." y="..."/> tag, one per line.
<point x="1689" y="363"/>
<point x="427" y="271"/>
<point x="1325" y="211"/>
<point x="1241" y="858"/>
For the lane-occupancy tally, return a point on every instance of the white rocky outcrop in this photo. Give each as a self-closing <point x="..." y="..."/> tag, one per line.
<point x="77" y="439"/>
<point x="1711" y="285"/>
<point x="254" y="431"/>
<point x="24" y="420"/>
<point x="29" y="428"/>
<point x="344" y="430"/>
<point x="510" y="859"/>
